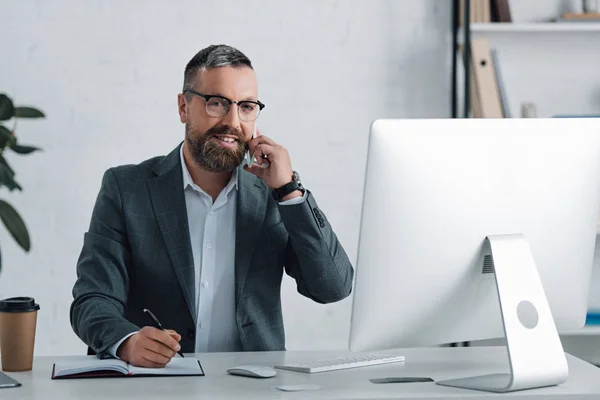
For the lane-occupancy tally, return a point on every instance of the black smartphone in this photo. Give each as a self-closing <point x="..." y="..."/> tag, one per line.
<point x="7" y="382"/>
<point x="401" y="379"/>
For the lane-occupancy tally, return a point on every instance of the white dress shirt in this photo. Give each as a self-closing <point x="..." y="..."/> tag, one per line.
<point x="212" y="235"/>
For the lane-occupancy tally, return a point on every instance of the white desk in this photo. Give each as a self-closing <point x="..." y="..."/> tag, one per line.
<point x="437" y="363"/>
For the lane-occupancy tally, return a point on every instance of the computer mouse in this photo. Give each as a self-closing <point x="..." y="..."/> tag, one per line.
<point x="253" y="371"/>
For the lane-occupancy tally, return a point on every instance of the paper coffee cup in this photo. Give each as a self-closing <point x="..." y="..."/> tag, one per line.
<point x="18" y="318"/>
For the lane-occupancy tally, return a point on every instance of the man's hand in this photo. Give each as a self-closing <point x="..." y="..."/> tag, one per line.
<point x="150" y="347"/>
<point x="279" y="172"/>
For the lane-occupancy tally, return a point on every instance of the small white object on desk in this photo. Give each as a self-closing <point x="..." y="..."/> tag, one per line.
<point x="297" y="388"/>
<point x="253" y="371"/>
<point x="344" y="362"/>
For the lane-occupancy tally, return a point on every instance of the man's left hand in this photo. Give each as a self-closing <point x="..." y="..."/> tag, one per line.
<point x="279" y="171"/>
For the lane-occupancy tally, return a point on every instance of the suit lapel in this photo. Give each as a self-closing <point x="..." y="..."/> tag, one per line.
<point x="168" y="200"/>
<point x="250" y="214"/>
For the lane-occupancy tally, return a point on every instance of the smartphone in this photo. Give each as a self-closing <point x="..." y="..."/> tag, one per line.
<point x="7" y="382"/>
<point x="250" y="159"/>
<point x="401" y="379"/>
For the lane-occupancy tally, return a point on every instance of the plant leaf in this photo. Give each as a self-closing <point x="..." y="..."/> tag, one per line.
<point x="28" y="112"/>
<point x="7" y="176"/>
<point x="15" y="225"/>
<point x="7" y="109"/>
<point x="5" y="134"/>
<point x="23" y="149"/>
<point x="5" y="163"/>
<point x="6" y="137"/>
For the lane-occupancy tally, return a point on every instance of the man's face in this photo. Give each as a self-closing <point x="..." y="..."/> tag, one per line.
<point x="218" y="144"/>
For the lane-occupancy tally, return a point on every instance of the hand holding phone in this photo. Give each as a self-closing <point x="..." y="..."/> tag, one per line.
<point x="251" y="159"/>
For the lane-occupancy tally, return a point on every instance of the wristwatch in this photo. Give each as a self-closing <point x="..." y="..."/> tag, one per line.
<point x="288" y="188"/>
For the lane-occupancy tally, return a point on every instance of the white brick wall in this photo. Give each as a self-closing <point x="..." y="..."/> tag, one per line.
<point x="107" y="74"/>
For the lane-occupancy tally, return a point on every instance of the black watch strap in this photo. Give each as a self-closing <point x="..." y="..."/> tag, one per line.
<point x="288" y="188"/>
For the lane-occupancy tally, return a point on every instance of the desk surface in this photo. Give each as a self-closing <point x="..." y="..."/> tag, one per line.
<point x="437" y="363"/>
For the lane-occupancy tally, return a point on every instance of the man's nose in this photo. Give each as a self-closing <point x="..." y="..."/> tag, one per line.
<point x="232" y="119"/>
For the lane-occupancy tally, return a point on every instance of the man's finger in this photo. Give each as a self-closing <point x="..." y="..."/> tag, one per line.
<point x="158" y="348"/>
<point x="159" y="354"/>
<point x="263" y="150"/>
<point x="156" y="357"/>
<point x="164" y="338"/>
<point x="261" y="140"/>
<point x="173" y="334"/>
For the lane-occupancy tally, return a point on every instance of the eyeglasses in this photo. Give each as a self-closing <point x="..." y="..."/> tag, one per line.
<point x="218" y="106"/>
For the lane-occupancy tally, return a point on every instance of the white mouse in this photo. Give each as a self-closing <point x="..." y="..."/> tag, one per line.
<point x="253" y="371"/>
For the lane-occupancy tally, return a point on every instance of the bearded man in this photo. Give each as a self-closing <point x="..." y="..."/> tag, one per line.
<point x="201" y="237"/>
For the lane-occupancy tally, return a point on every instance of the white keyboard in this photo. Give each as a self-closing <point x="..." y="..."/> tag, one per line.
<point x="345" y="362"/>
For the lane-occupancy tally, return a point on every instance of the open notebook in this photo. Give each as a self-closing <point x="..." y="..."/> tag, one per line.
<point x="96" y="368"/>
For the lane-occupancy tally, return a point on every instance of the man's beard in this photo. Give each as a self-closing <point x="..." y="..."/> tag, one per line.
<point x="211" y="156"/>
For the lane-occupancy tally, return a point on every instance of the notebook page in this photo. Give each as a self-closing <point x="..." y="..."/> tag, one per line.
<point x="65" y="368"/>
<point x="177" y="366"/>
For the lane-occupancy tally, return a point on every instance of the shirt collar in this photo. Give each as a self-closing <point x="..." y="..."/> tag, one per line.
<point x="188" y="181"/>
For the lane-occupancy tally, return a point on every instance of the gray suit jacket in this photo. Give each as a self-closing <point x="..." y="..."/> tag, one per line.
<point x="137" y="254"/>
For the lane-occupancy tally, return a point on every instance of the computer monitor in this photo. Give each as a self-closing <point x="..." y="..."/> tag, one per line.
<point x="463" y="218"/>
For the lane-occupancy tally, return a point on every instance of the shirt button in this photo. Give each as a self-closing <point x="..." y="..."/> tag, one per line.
<point x="202" y="325"/>
<point x="205" y="284"/>
<point x="211" y="213"/>
<point x="208" y="245"/>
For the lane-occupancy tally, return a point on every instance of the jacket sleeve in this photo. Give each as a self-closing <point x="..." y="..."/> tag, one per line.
<point x="314" y="256"/>
<point x="100" y="291"/>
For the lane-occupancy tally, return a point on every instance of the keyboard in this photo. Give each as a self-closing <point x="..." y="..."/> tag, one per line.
<point x="344" y="362"/>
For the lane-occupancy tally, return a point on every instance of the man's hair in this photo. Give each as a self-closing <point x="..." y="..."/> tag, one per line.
<point x="213" y="56"/>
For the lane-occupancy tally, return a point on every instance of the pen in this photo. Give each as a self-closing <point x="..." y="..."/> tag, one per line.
<point x="157" y="324"/>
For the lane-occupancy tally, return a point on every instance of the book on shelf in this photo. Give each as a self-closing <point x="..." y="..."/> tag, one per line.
<point x="483" y="11"/>
<point x="92" y="367"/>
<point x="577" y="116"/>
<point x="500" y="82"/>
<point x="592" y="318"/>
<point x="486" y="98"/>
<point x="577" y="17"/>
<point x="500" y="11"/>
<point x="479" y="11"/>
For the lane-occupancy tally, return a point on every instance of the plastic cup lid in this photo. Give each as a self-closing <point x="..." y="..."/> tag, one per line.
<point x="18" y="304"/>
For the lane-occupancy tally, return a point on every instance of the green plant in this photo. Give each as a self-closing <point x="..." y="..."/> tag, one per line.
<point x="9" y="216"/>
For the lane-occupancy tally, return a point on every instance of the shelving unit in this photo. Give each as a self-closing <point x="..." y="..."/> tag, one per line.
<point x="534" y="31"/>
<point x="534" y="27"/>
<point x="466" y="39"/>
<point x="582" y="342"/>
<point x="588" y="330"/>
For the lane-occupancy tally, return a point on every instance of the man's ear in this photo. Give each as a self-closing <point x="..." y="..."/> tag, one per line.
<point x="182" y="108"/>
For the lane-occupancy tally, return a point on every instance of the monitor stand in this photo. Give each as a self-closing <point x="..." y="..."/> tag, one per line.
<point x="535" y="352"/>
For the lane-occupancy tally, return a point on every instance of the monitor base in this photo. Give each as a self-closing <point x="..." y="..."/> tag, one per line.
<point x="535" y="352"/>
